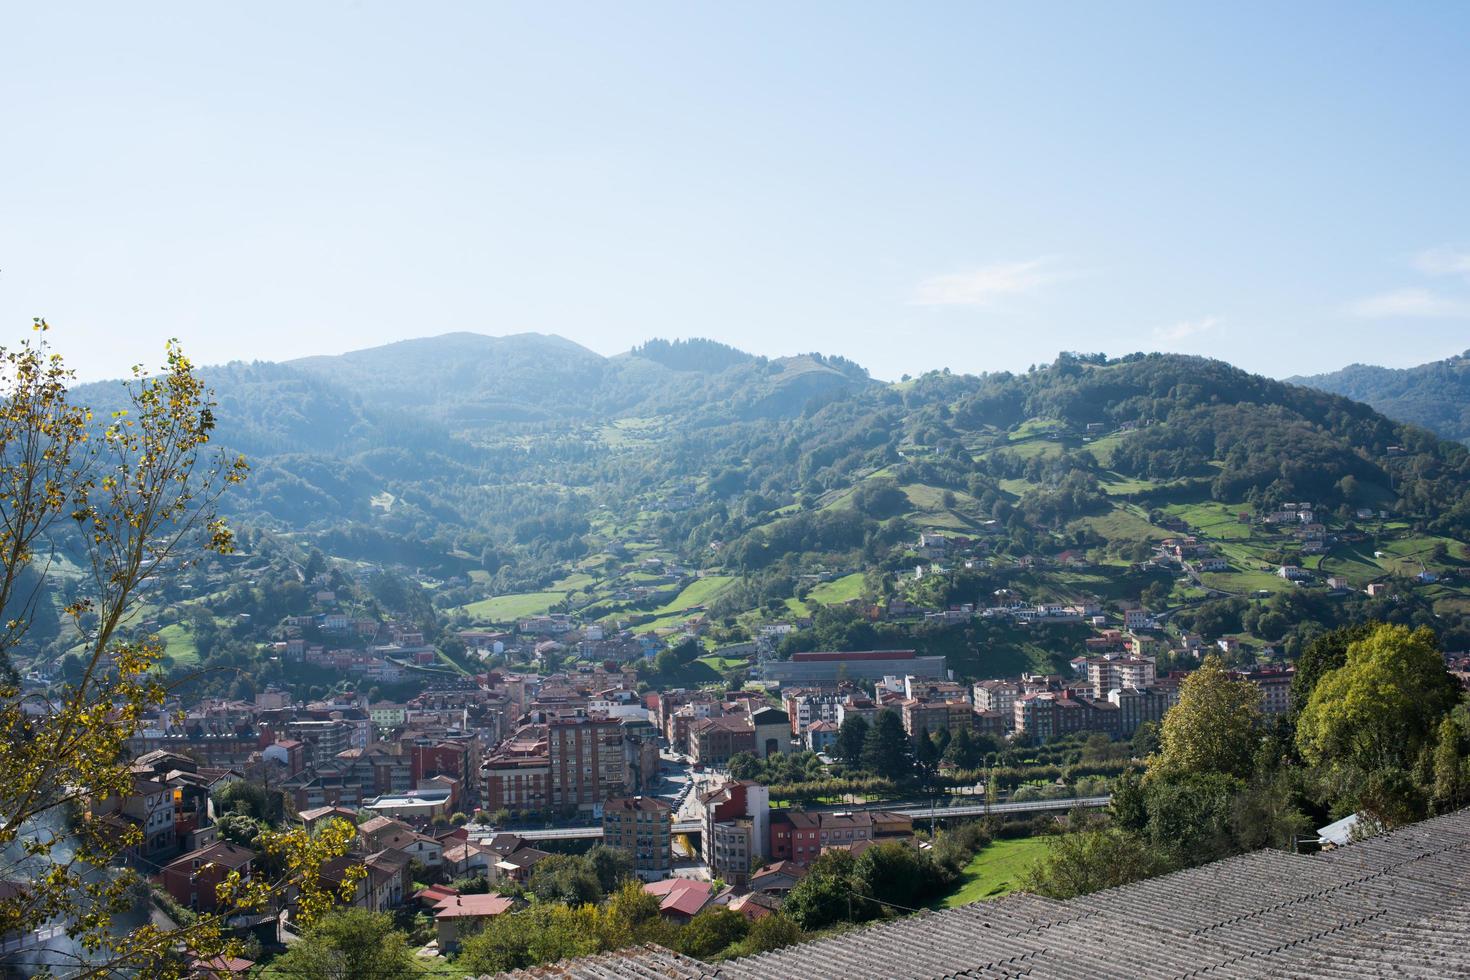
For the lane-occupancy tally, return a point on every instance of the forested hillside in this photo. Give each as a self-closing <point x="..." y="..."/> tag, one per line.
<point x="1434" y="395"/>
<point x="523" y="474"/>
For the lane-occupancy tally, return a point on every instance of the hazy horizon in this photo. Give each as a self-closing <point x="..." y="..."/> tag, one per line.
<point x="913" y="188"/>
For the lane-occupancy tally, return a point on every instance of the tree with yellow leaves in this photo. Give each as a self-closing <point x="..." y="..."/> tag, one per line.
<point x="136" y="494"/>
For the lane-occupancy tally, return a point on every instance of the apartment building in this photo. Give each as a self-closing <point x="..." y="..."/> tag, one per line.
<point x="587" y="762"/>
<point x="642" y="826"/>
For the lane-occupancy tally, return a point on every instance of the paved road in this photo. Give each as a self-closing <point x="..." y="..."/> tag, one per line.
<point x="954" y="810"/>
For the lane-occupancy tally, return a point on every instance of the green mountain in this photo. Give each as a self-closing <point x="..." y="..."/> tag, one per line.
<point x="1434" y="395"/>
<point x="530" y="472"/>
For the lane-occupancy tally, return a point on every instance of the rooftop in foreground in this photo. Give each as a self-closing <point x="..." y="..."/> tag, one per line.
<point x="1395" y="905"/>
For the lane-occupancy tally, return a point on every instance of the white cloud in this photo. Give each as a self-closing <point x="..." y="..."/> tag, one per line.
<point x="981" y="287"/>
<point x="1186" y="328"/>
<point x="1411" y="302"/>
<point x="1443" y="262"/>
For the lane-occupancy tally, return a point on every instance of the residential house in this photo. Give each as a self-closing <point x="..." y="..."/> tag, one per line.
<point x="458" y="916"/>
<point x="681" y="899"/>
<point x="192" y="879"/>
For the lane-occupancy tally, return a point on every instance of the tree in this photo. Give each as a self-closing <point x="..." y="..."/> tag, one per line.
<point x="542" y="934"/>
<point x="1088" y="860"/>
<point x="825" y="895"/>
<point x="774" y="931"/>
<point x="744" y="765"/>
<point x="133" y="497"/>
<point x="610" y="865"/>
<point x="886" y="747"/>
<point x="349" y="944"/>
<point x="1382" y="706"/>
<point x="1322" y="655"/>
<point x="564" y="878"/>
<point x="711" y="931"/>
<point x="1213" y="727"/>
<point x="850" y="739"/>
<point x="895" y="873"/>
<point x="1146" y="740"/>
<point x="1449" y="767"/>
<point x="1189" y="816"/>
<point x="964" y="751"/>
<point x="239" y="828"/>
<point x="926" y="757"/>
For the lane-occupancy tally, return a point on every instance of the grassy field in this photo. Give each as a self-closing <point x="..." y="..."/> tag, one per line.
<point x="180" y="644"/>
<point x="995" y="871"/>
<point x="1102" y="447"/>
<point x="698" y="593"/>
<point x="574" y="582"/>
<point x="1117" y="485"/>
<point x="506" y="608"/>
<point x="1212" y="519"/>
<point x="844" y="589"/>
<point x="1120" y="524"/>
<point x="722" y="664"/>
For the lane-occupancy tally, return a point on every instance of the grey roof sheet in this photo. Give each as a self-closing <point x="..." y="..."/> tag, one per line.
<point x="1395" y="904"/>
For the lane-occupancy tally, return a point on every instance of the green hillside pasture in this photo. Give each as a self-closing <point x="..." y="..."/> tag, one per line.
<point x="1031" y="428"/>
<point x="1404" y="554"/>
<point x="1016" y="488"/>
<point x="721" y="664"/>
<point x="1004" y="650"/>
<point x="179" y="643"/>
<point x="1354" y="561"/>
<point x="1244" y="583"/>
<point x="1212" y="519"/>
<point x="930" y="512"/>
<point x="1034" y="448"/>
<point x="508" y="608"/>
<point x="574" y="582"/>
<point x="996" y="870"/>
<point x="1120" y="524"/>
<point x="1118" y="485"/>
<point x="1102" y="448"/>
<point x="700" y="592"/>
<point x="844" y="589"/>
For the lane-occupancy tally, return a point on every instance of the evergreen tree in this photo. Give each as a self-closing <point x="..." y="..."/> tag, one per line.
<point x="926" y="757"/>
<point x="886" y="747"/>
<point x="850" y="740"/>
<point x="964" y="751"/>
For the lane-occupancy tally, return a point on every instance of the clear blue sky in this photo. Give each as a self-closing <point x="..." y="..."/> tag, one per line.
<point x="977" y="186"/>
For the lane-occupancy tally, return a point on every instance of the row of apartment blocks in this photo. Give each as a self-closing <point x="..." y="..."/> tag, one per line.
<point x="1116" y="695"/>
<point x="741" y="832"/>
<point x="710" y="728"/>
<point x="568" y="764"/>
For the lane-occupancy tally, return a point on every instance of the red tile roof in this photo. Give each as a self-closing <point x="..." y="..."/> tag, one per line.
<point x="472" y="906"/>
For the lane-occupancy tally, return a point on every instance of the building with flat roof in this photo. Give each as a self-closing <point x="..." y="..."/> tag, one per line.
<point x="830" y="667"/>
<point x="418" y="805"/>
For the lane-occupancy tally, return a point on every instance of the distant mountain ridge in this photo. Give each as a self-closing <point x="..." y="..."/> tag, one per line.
<point x="1435" y="395"/>
<point x="517" y="455"/>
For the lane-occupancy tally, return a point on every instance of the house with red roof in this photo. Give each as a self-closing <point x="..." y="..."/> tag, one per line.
<point x="462" y="915"/>
<point x="681" y="899"/>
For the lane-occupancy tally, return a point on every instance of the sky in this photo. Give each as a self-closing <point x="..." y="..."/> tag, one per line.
<point x="973" y="185"/>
